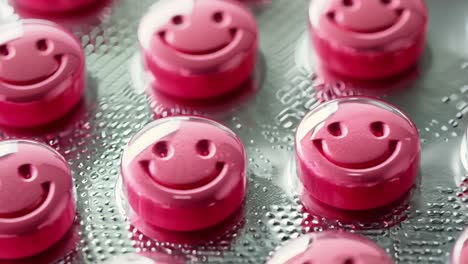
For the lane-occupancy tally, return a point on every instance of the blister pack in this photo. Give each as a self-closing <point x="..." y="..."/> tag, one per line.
<point x="224" y="131"/>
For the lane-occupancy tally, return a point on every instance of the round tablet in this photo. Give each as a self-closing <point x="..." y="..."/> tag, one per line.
<point x="460" y="251"/>
<point x="330" y="248"/>
<point x="350" y="40"/>
<point x="184" y="173"/>
<point x="42" y="72"/>
<point x="357" y="153"/>
<point x="55" y="6"/>
<point x="198" y="49"/>
<point x="36" y="198"/>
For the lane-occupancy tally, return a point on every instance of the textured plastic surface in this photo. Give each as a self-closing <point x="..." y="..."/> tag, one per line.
<point x="184" y="173"/>
<point x="330" y="248"/>
<point x="42" y="74"/>
<point x="156" y="258"/>
<point x="351" y="41"/>
<point x="422" y="230"/>
<point x="210" y="47"/>
<point x="36" y="198"/>
<point x="357" y="154"/>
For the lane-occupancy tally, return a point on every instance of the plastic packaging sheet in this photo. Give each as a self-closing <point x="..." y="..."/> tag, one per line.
<point x="421" y="230"/>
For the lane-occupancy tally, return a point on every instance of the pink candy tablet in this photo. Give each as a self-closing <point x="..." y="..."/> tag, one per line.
<point x="368" y="39"/>
<point x="357" y="153"/>
<point x="48" y="6"/>
<point x="42" y="73"/>
<point x="460" y="251"/>
<point x="37" y="205"/>
<point x="184" y="173"/>
<point x="330" y="248"/>
<point x="198" y="49"/>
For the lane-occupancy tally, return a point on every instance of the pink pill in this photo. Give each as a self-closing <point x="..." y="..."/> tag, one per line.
<point x="42" y="73"/>
<point x="357" y="153"/>
<point x="460" y="251"/>
<point x="48" y="6"/>
<point x="330" y="248"/>
<point x="37" y="205"/>
<point x="198" y="49"/>
<point x="368" y="39"/>
<point x="184" y="173"/>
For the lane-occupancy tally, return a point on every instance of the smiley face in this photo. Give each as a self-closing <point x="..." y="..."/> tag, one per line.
<point x="215" y="25"/>
<point x="167" y="167"/>
<point x="339" y="145"/>
<point x="356" y="18"/>
<point x="189" y="168"/>
<point x="359" y="137"/>
<point x="184" y="162"/>
<point x="37" y="58"/>
<point x="198" y="34"/>
<point x="321" y="248"/>
<point x="37" y="194"/>
<point x="35" y="182"/>
<point x="349" y="150"/>
<point x="210" y="47"/>
<point x="353" y="23"/>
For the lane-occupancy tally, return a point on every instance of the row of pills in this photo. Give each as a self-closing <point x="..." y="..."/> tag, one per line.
<point x="54" y="79"/>
<point x="210" y="47"/>
<point x="189" y="173"/>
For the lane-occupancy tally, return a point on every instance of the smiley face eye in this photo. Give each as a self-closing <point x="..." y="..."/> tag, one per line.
<point x="177" y="20"/>
<point x="42" y="45"/>
<point x="336" y="129"/>
<point x="348" y="3"/>
<point x="4" y="51"/>
<point x="27" y="172"/>
<point x="379" y="129"/>
<point x="218" y="17"/>
<point x="386" y="2"/>
<point x="205" y="148"/>
<point x="162" y="150"/>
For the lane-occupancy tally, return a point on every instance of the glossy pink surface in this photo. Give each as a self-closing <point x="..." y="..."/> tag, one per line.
<point x="330" y="248"/>
<point x="53" y="5"/>
<point x="351" y="41"/>
<point x="198" y="49"/>
<point x="357" y="153"/>
<point x="184" y="173"/>
<point x="42" y="73"/>
<point x="36" y="198"/>
<point x="460" y="251"/>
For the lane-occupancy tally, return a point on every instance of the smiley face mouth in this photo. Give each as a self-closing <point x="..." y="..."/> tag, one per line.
<point x="392" y="150"/>
<point x="219" y="169"/>
<point x="234" y="35"/>
<point x="25" y="211"/>
<point x="59" y="60"/>
<point x="399" y="12"/>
